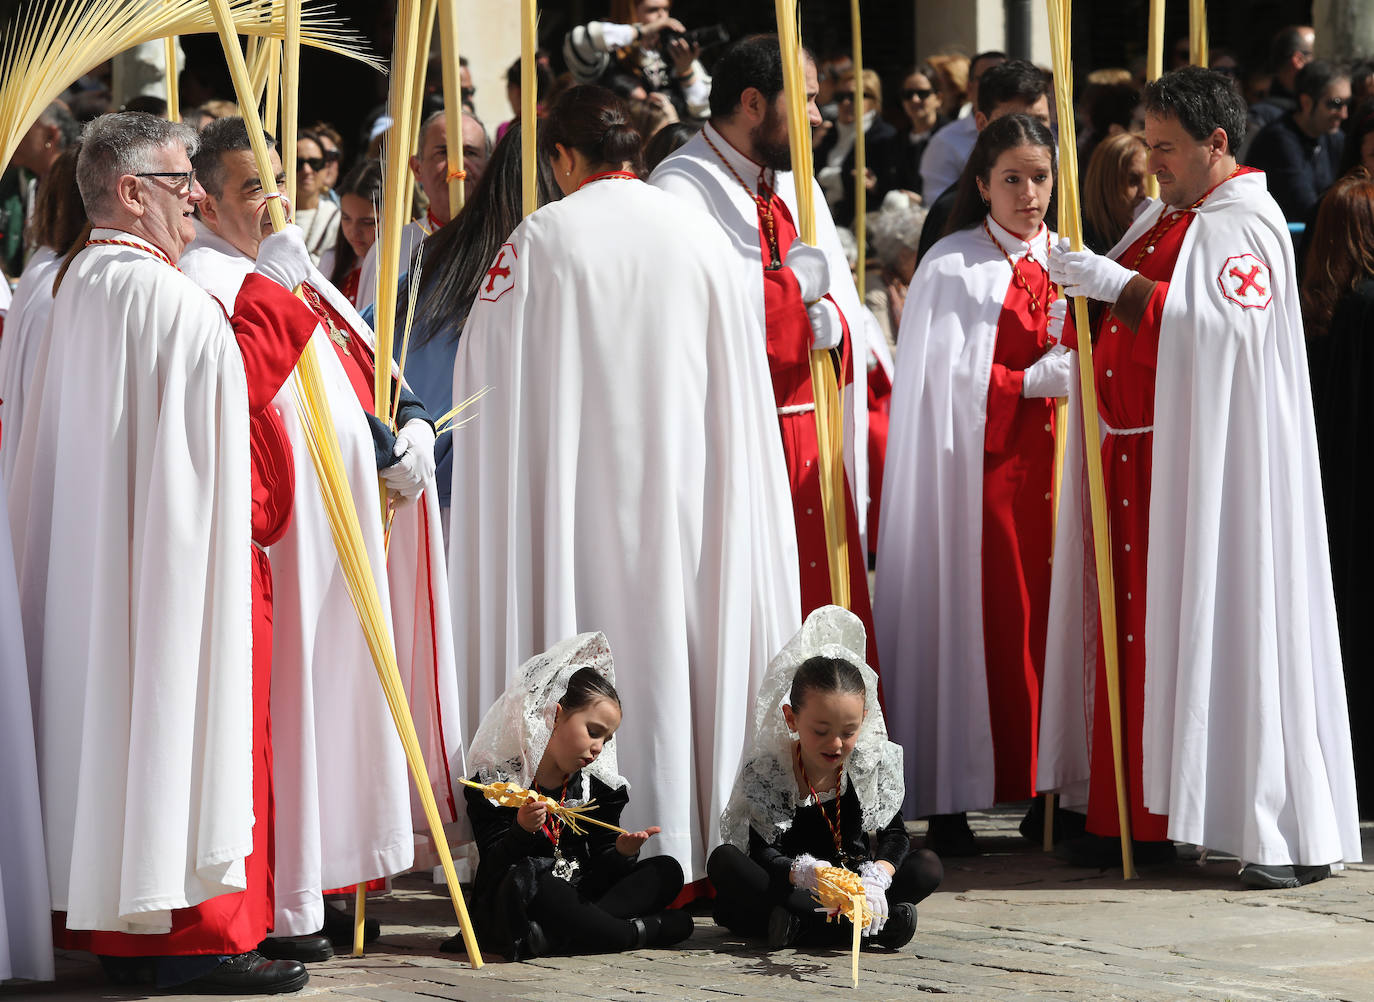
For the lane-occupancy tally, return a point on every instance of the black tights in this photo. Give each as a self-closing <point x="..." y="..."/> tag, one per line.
<point x="744" y="895"/>
<point x="595" y="918"/>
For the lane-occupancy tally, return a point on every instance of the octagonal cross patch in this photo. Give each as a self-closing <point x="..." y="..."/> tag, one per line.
<point x="1246" y="281"/>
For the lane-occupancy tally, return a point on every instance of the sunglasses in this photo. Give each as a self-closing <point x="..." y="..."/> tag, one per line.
<point x="187" y="177"/>
<point x="467" y="92"/>
<point x="331" y="156"/>
<point x="1336" y="103"/>
<point x="919" y="93"/>
<point x="314" y="163"/>
<point x="848" y="95"/>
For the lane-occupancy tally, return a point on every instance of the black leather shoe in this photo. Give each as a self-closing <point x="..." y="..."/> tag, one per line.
<point x="1100" y="852"/>
<point x="950" y="835"/>
<point x="338" y="929"/>
<point x="1067" y="824"/>
<point x="783" y="928"/>
<point x="899" y="927"/>
<point x="305" y="949"/>
<point x="669" y="927"/>
<point x="1275" y="877"/>
<point x="249" y="974"/>
<point x="129" y="971"/>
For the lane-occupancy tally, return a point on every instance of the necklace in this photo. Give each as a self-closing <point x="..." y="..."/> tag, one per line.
<point x="770" y="224"/>
<point x="338" y="336"/>
<point x="835" y="833"/>
<point x="563" y="868"/>
<point x="1016" y="275"/>
<point x="129" y="243"/>
<point x="625" y="175"/>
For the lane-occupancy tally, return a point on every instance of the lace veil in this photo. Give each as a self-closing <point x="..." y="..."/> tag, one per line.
<point x="511" y="739"/>
<point x="765" y="792"/>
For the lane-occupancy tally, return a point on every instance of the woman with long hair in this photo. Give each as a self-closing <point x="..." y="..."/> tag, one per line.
<point x="1338" y="315"/>
<point x="360" y="196"/>
<point x="1113" y="189"/>
<point x="963" y="603"/>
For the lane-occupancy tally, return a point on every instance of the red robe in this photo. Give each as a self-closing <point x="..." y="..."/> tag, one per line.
<point x="1018" y="474"/>
<point x="272" y="327"/>
<point x="789" y="335"/>
<point x="1124" y="366"/>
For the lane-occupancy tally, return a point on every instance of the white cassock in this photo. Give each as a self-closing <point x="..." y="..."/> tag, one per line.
<point x="342" y="787"/>
<point x="26" y="325"/>
<point x="1246" y="732"/>
<point x="413" y="234"/>
<point x="25" y="906"/>
<point x="928" y="605"/>
<point x="696" y="174"/>
<point x="625" y="475"/>
<point x="133" y="546"/>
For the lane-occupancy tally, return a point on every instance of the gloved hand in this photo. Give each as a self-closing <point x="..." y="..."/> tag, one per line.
<point x="1057" y="314"/>
<point x="804" y="869"/>
<point x="283" y="257"/>
<point x="876" y="882"/>
<point x="1083" y="273"/>
<point x="812" y="269"/>
<point x="1049" y="375"/>
<point x="415" y="462"/>
<point x="827" y="331"/>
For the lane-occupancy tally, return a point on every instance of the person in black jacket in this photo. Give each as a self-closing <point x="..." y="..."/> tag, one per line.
<point x="1302" y="151"/>
<point x="542" y="885"/>
<point x="835" y="151"/>
<point x="819" y="777"/>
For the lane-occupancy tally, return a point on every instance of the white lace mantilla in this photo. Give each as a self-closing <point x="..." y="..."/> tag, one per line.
<point x="765" y="792"/>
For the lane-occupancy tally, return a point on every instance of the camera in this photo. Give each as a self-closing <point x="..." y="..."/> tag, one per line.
<point x="714" y="34"/>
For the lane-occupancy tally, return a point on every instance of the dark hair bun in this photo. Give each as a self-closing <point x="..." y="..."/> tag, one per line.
<point x="596" y="123"/>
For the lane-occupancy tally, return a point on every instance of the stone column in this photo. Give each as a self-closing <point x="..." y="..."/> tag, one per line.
<point x="489" y="36"/>
<point x="1345" y="28"/>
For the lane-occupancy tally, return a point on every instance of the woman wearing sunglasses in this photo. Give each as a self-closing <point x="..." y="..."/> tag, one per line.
<point x="835" y="152"/>
<point x="317" y="216"/>
<point x="921" y="105"/>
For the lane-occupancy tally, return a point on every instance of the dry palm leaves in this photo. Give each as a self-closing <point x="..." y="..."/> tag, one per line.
<point x="51" y="43"/>
<point x="511" y="795"/>
<point x="841" y="893"/>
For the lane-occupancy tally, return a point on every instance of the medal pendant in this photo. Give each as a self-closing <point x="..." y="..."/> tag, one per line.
<point x="563" y="868"/>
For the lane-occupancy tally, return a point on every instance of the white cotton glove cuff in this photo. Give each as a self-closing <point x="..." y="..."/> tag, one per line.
<point x="284" y="258"/>
<point x="871" y="872"/>
<point x="1049" y="375"/>
<point x="1083" y="273"/>
<point x="876" y="882"/>
<point x="812" y="269"/>
<point x="804" y="869"/>
<point x="415" y="447"/>
<point x="827" y="330"/>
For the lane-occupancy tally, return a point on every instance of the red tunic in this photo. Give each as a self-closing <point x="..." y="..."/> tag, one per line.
<point x="789" y="335"/>
<point x="1124" y="364"/>
<point x="272" y="327"/>
<point x="879" y="414"/>
<point x="1018" y="474"/>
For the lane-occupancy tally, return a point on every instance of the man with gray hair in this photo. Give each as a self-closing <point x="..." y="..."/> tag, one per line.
<point x="147" y="615"/>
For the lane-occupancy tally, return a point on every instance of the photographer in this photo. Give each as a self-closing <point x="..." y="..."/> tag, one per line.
<point x="643" y="41"/>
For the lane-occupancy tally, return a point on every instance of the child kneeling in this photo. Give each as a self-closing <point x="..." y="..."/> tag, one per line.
<point x="542" y="887"/>
<point x="817" y="778"/>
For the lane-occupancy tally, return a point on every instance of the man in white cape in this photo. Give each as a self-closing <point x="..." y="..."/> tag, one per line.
<point x="141" y="577"/>
<point x="1245" y="739"/>
<point x="744" y="146"/>
<point x="624" y="475"/>
<point x="343" y="802"/>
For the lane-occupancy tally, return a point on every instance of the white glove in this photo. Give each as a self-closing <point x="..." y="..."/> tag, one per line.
<point x="1083" y="273"/>
<point x="876" y="882"/>
<point x="415" y="447"/>
<point x="804" y="871"/>
<point x="1057" y="314"/>
<point x="1048" y="375"/>
<point x="827" y="330"/>
<point x="283" y="257"/>
<point x="812" y="269"/>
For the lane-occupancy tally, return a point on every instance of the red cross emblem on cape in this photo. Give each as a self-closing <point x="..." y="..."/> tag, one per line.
<point x="500" y="277"/>
<point x="1245" y="280"/>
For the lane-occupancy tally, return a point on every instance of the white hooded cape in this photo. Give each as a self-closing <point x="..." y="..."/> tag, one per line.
<point x="1246" y="733"/>
<point x="343" y="806"/>
<point x="696" y="174"/>
<point x="928" y="606"/>
<point x="133" y="534"/>
<point x="25" y="906"/>
<point x="625" y="475"/>
<point x="26" y="325"/>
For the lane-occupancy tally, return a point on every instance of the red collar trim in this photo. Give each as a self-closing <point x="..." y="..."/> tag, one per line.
<point x="624" y="175"/>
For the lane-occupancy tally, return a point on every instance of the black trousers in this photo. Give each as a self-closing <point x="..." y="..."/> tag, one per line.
<point x="745" y="895"/>
<point x="594" y="916"/>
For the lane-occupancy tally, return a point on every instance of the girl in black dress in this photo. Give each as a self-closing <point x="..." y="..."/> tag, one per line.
<point x="540" y="887"/>
<point x="819" y="786"/>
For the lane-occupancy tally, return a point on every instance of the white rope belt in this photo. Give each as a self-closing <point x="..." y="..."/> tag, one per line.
<point x="1109" y="430"/>
<point x="797" y="409"/>
<point x="259" y="547"/>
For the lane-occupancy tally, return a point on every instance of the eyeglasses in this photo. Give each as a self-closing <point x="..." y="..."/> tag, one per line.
<point x="188" y="177"/>
<point x="1336" y="103"/>
<point x="314" y="163"/>
<point x="919" y="93"/>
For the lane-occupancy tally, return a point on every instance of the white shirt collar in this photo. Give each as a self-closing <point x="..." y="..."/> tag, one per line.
<point x="110" y="233"/>
<point x="1036" y="248"/>
<point x="748" y="169"/>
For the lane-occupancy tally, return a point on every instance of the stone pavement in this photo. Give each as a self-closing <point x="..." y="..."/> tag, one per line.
<point x="1012" y="924"/>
